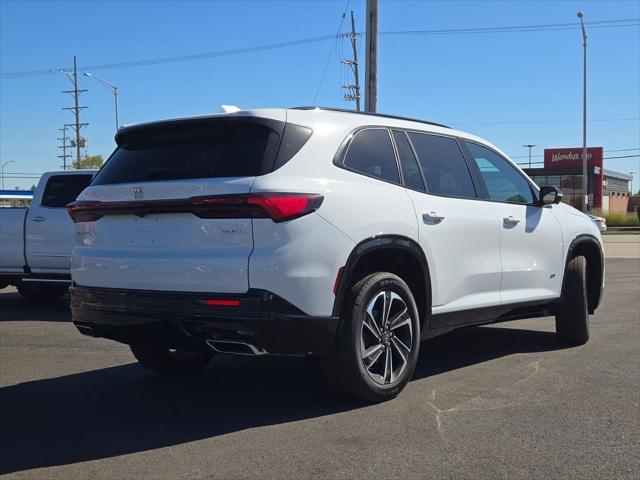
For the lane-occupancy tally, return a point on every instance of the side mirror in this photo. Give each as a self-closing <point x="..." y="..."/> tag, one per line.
<point x="550" y="195"/>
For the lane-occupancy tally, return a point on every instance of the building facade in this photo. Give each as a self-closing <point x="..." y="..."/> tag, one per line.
<point x="608" y="190"/>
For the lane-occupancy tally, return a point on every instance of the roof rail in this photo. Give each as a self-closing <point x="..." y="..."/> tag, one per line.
<point x="345" y="110"/>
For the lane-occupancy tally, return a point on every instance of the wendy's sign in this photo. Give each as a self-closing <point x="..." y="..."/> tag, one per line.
<point x="570" y="159"/>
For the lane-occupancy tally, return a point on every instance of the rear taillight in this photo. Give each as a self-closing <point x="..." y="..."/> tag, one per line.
<point x="84" y="211"/>
<point x="279" y="207"/>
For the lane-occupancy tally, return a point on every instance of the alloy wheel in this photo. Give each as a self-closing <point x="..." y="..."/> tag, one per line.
<point x="386" y="337"/>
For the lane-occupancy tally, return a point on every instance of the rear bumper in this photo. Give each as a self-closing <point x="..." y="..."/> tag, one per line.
<point x="184" y="320"/>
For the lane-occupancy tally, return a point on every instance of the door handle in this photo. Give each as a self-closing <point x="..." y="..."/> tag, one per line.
<point x="432" y="217"/>
<point x="510" y="220"/>
<point x="38" y="219"/>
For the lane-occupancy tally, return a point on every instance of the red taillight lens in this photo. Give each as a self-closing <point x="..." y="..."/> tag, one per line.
<point x="276" y="206"/>
<point x="84" y="211"/>
<point x="223" y="302"/>
<point x="280" y="207"/>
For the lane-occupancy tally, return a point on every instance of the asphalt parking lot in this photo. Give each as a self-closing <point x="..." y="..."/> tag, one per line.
<point x="499" y="401"/>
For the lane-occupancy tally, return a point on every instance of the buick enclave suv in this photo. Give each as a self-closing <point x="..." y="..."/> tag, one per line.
<point x="312" y="231"/>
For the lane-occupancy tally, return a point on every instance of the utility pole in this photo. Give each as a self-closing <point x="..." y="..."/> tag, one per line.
<point x="371" y="64"/>
<point x="77" y="125"/>
<point x="64" y="146"/>
<point x="353" y="89"/>
<point x="529" y="146"/>
<point x="585" y="185"/>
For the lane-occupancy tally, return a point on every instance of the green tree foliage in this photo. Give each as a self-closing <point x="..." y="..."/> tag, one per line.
<point x="89" y="161"/>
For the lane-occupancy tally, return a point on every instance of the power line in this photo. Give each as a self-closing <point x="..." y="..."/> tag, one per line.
<point x="614" y="23"/>
<point x="623" y="22"/>
<point x="180" y="58"/>
<point x="515" y="122"/>
<point x="603" y="158"/>
<point x="614" y="150"/>
<point x="621" y="156"/>
<point x="333" y="47"/>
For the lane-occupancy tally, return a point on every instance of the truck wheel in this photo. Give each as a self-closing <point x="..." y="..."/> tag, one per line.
<point x="168" y="361"/>
<point x="377" y="344"/>
<point x="34" y="292"/>
<point x="572" y="320"/>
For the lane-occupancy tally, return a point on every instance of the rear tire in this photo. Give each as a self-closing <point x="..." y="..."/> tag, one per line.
<point x="377" y="345"/>
<point x="572" y="320"/>
<point x="170" y="362"/>
<point x="34" y="292"/>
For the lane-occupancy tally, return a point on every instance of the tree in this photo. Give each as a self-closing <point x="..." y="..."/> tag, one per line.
<point x="88" y="161"/>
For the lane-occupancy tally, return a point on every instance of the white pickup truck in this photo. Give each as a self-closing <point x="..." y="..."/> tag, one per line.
<point x="36" y="242"/>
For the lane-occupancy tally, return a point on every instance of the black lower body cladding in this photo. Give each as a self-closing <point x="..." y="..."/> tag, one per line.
<point x="189" y="320"/>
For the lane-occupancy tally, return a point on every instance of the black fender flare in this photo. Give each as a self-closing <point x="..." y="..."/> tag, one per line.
<point x="594" y="297"/>
<point x="382" y="242"/>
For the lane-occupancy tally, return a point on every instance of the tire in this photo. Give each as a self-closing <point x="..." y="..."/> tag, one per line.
<point x="364" y="327"/>
<point x="170" y="362"/>
<point x="34" y="292"/>
<point x="572" y="320"/>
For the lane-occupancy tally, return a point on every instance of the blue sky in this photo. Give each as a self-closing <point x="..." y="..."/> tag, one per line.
<point x="510" y="88"/>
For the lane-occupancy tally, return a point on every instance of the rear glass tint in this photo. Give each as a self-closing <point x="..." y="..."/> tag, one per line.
<point x="192" y="149"/>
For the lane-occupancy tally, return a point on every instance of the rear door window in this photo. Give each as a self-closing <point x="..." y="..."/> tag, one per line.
<point x="192" y="149"/>
<point x="443" y="165"/>
<point x="64" y="189"/>
<point x="371" y="153"/>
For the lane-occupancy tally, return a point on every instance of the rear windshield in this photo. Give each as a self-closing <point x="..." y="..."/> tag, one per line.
<point x="192" y="149"/>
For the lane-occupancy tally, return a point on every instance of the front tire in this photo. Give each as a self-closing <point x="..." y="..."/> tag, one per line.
<point x="170" y="362"/>
<point x="572" y="320"/>
<point x="377" y="345"/>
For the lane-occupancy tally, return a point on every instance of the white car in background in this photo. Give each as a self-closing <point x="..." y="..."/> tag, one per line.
<point x="314" y="231"/>
<point x="600" y="222"/>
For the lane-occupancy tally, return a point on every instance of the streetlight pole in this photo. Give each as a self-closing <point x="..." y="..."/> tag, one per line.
<point x="585" y="196"/>
<point x="2" y="171"/>
<point x="529" y="146"/>
<point x="113" y="89"/>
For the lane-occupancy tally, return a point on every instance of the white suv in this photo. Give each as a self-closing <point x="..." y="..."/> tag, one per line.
<point x="312" y="231"/>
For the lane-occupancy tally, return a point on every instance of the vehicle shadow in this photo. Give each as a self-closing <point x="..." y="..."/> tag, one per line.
<point x="123" y="409"/>
<point x="14" y="308"/>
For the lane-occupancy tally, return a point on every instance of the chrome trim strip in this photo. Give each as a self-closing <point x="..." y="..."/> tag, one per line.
<point x="255" y="350"/>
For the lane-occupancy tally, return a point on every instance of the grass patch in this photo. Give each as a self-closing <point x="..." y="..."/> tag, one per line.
<point x="619" y="219"/>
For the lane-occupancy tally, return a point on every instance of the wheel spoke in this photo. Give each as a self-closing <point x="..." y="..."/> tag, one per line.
<point x="399" y="319"/>
<point x="374" y="358"/>
<point x="371" y="325"/>
<point x="371" y="351"/>
<point x="377" y="322"/>
<point x="401" y="348"/>
<point x="387" y="365"/>
<point x="388" y="300"/>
